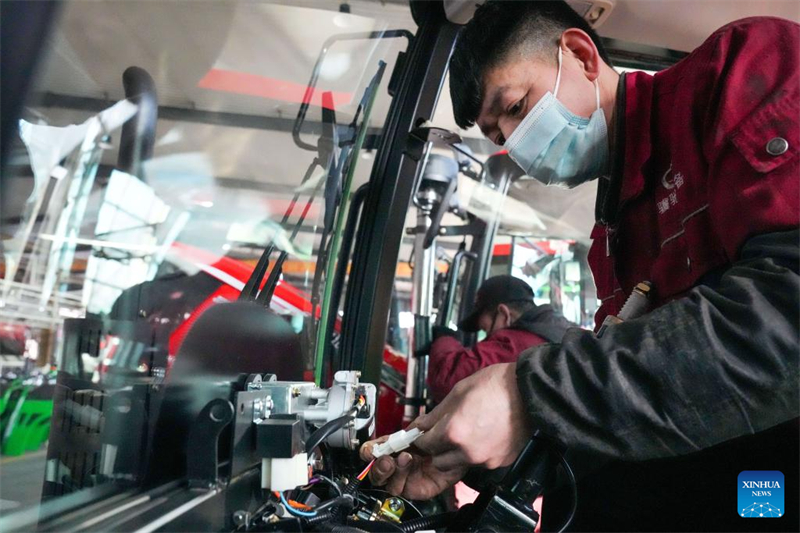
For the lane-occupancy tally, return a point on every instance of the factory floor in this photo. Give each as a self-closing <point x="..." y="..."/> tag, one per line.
<point x="21" y="479"/>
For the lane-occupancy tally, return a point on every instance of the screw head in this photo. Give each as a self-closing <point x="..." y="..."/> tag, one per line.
<point x="395" y="504"/>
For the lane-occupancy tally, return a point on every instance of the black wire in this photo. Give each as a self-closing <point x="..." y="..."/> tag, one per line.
<point x="319" y="436"/>
<point x="336" y="502"/>
<point x="574" y="484"/>
<point x="427" y="522"/>
<point x="330" y="482"/>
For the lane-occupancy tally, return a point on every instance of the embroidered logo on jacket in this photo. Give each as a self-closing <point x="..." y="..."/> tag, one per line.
<point x="671" y="187"/>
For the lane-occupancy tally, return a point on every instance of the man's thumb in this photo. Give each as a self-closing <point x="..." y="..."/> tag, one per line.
<point x="424" y="422"/>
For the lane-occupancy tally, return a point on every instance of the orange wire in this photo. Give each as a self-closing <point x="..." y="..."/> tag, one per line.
<point x="364" y="473"/>
<point x="293" y="503"/>
<point x="298" y="505"/>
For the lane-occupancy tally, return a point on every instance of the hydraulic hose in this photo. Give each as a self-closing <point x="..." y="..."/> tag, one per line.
<point x="339" y="528"/>
<point x="319" y="519"/>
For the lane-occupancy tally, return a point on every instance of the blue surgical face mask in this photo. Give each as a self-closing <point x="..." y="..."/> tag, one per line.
<point x="556" y="146"/>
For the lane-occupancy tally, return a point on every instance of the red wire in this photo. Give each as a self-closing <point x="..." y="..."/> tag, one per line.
<point x="366" y="470"/>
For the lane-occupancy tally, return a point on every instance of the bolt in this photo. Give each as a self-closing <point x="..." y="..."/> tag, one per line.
<point x="295" y="392"/>
<point x="395" y="505"/>
<point x="241" y="518"/>
<point x="355" y="443"/>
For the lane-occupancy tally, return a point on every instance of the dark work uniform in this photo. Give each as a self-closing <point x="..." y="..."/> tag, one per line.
<point x="663" y="412"/>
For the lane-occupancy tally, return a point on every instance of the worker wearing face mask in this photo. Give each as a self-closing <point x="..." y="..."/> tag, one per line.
<point x="504" y="309"/>
<point x="697" y="195"/>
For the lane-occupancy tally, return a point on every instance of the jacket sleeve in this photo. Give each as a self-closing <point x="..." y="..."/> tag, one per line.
<point x="450" y="361"/>
<point x="718" y="363"/>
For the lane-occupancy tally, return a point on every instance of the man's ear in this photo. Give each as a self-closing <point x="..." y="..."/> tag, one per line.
<point x="505" y="311"/>
<point x="578" y="43"/>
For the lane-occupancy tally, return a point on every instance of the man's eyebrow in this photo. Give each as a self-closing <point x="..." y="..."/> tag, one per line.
<point x="495" y="103"/>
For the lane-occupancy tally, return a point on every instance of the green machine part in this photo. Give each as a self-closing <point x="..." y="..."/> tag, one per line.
<point x="12" y="395"/>
<point x="25" y="421"/>
<point x="6" y="396"/>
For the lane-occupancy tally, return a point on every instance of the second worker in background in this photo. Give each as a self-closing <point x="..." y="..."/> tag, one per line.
<point x="505" y="310"/>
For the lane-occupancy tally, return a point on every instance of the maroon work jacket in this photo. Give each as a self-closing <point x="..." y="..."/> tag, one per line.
<point x="710" y="160"/>
<point x="451" y="361"/>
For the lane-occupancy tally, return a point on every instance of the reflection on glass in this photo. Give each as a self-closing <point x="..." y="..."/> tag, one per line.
<point x="558" y="273"/>
<point x="106" y="268"/>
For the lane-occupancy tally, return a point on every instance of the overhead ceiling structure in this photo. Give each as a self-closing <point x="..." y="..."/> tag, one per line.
<point x="242" y="67"/>
<point x="675" y="24"/>
<point x="249" y="61"/>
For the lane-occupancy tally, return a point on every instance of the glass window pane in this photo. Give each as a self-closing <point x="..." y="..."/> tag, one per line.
<point x="111" y="255"/>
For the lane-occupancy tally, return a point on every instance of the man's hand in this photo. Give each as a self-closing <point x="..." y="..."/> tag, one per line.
<point x="407" y="475"/>
<point x="480" y="423"/>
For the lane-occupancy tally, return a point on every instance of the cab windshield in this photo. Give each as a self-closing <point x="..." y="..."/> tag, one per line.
<point x="164" y="147"/>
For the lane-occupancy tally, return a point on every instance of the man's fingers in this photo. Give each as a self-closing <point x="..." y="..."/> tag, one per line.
<point x="429" y="420"/>
<point x="452" y="460"/>
<point x="436" y="441"/>
<point x="424" y="482"/>
<point x="397" y="482"/>
<point x="382" y="470"/>
<point x="366" y="450"/>
<point x="422" y="422"/>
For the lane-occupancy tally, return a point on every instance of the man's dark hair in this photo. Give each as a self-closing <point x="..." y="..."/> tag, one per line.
<point x="520" y="306"/>
<point x="498" y="29"/>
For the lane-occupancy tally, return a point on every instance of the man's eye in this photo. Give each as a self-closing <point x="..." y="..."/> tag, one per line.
<point x="515" y="109"/>
<point x="500" y="141"/>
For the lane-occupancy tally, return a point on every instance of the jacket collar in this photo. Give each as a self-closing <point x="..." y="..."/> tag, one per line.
<point x="630" y="145"/>
<point x="542" y="320"/>
<point x="638" y="109"/>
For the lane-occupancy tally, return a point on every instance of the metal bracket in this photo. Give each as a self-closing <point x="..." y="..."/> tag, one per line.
<point x="202" y="459"/>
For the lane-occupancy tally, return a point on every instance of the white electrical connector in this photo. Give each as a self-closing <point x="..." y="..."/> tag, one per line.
<point x="283" y="474"/>
<point x="397" y="442"/>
